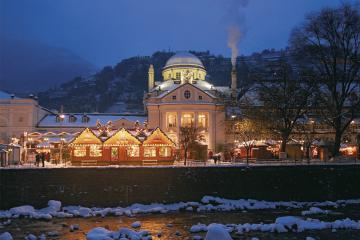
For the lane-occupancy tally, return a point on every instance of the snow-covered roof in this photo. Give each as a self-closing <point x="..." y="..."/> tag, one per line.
<point x="184" y="58"/>
<point x="169" y="86"/>
<point x="50" y="119"/>
<point x="4" y="95"/>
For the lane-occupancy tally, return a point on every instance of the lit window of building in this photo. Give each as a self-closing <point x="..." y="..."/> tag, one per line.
<point x="80" y="151"/>
<point x="178" y="76"/>
<point x="149" y="151"/>
<point x="95" y="151"/>
<point x="165" y="152"/>
<point x="133" y="151"/>
<point x="187" y="119"/>
<point x="202" y="120"/>
<point x="171" y="119"/>
<point x="114" y="153"/>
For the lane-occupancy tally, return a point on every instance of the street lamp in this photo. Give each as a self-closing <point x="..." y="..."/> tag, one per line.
<point x="62" y="140"/>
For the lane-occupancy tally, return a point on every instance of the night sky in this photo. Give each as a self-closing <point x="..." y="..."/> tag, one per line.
<point x="106" y="31"/>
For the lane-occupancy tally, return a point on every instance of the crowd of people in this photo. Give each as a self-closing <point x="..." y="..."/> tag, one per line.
<point x="42" y="157"/>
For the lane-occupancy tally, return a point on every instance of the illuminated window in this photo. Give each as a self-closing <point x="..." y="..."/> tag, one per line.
<point x="133" y="151"/>
<point x="187" y="94"/>
<point x="149" y="151"/>
<point x="169" y="75"/>
<point x="187" y="119"/>
<point x="114" y="153"/>
<point x="178" y="76"/>
<point x="80" y="151"/>
<point x="165" y="152"/>
<point x="202" y="120"/>
<point x="95" y="151"/>
<point x="171" y="119"/>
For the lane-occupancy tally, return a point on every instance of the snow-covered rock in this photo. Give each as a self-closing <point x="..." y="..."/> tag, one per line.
<point x="74" y="227"/>
<point x="217" y="232"/>
<point x="136" y="224"/>
<point x="31" y="237"/>
<point x="98" y="233"/>
<point x="198" y="228"/>
<point x="22" y="210"/>
<point x="315" y="210"/>
<point x="6" y="236"/>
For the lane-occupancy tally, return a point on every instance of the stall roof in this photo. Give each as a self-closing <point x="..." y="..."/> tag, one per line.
<point x="76" y="119"/>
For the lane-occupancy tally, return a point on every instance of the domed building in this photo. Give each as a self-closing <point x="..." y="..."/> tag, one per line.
<point x="185" y="98"/>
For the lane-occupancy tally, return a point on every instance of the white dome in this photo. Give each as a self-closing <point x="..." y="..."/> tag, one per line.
<point x="184" y="59"/>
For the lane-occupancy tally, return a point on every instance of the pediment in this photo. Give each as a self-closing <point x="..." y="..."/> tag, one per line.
<point x="188" y="92"/>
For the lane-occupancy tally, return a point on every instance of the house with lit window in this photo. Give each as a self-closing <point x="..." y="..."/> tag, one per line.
<point x="185" y="98"/>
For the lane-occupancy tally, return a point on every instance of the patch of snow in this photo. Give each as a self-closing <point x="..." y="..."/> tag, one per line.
<point x="136" y="224"/>
<point x="198" y="228"/>
<point x="98" y="233"/>
<point x="288" y="224"/>
<point x="6" y="236"/>
<point x="216" y="232"/>
<point x="315" y="210"/>
<point x="30" y="237"/>
<point x="207" y="204"/>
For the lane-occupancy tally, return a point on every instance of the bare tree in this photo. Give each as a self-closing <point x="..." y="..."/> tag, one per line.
<point x="246" y="132"/>
<point x="328" y="43"/>
<point x="188" y="137"/>
<point x="285" y="99"/>
<point x="305" y="132"/>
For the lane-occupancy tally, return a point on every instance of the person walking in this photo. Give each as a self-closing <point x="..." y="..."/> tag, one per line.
<point x="210" y="155"/>
<point x="43" y="159"/>
<point x="37" y="159"/>
<point x="47" y="157"/>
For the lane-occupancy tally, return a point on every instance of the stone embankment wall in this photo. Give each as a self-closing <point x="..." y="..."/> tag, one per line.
<point x="123" y="186"/>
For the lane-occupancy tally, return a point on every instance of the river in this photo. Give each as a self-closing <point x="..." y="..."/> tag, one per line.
<point x="177" y="225"/>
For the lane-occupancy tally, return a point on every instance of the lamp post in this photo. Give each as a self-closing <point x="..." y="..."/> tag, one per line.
<point x="62" y="140"/>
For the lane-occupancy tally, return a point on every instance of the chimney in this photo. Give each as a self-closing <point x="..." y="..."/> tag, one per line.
<point x="233" y="81"/>
<point x="151" y="78"/>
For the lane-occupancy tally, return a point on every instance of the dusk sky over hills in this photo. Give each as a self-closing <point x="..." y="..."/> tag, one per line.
<point x="104" y="32"/>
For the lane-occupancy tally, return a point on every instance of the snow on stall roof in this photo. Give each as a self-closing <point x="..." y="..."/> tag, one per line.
<point x="50" y="120"/>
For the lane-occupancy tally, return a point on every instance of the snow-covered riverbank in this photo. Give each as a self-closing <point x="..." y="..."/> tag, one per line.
<point x="207" y="204"/>
<point x="286" y="217"/>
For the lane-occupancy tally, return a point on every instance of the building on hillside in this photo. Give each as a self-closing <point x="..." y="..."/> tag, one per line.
<point x="185" y="98"/>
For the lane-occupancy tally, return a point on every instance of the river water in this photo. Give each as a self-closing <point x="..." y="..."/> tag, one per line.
<point x="170" y="223"/>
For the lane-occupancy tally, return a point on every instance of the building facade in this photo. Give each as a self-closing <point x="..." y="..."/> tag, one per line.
<point x="184" y="98"/>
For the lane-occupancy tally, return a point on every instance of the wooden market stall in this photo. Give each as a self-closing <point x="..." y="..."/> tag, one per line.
<point x="158" y="147"/>
<point x="86" y="149"/>
<point x="122" y="148"/>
